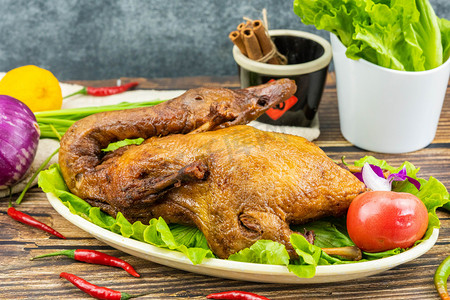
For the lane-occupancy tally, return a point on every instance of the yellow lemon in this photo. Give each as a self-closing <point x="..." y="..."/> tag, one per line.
<point x="36" y="87"/>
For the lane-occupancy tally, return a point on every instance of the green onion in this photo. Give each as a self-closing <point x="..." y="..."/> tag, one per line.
<point x="56" y="132"/>
<point x="54" y="123"/>
<point x="86" y="111"/>
<point x="30" y="181"/>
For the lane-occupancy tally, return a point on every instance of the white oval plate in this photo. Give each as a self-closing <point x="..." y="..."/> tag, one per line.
<point x="238" y="270"/>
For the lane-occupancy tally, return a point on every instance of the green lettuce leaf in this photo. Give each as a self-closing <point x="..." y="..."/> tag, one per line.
<point x="335" y="16"/>
<point x="396" y="34"/>
<point x="122" y="143"/>
<point x="51" y="180"/>
<point x="309" y="257"/>
<point x="444" y="26"/>
<point x="329" y="232"/>
<point x="263" y="252"/>
<point x="379" y="40"/>
<point x="372" y="256"/>
<point x="428" y="35"/>
<point x="189" y="236"/>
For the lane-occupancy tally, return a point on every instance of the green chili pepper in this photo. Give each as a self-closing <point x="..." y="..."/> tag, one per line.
<point x="441" y="277"/>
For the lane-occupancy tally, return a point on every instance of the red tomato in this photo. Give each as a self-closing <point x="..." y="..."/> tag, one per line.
<point x="379" y="220"/>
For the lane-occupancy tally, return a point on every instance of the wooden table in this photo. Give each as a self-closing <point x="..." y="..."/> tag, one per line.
<point x="21" y="278"/>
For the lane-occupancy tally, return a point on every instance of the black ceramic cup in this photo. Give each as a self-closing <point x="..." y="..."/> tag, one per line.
<point x="308" y="56"/>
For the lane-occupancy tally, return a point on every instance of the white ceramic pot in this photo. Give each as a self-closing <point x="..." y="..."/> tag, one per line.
<point x="385" y="110"/>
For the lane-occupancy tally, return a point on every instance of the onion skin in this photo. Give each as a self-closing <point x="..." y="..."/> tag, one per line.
<point x="19" y="138"/>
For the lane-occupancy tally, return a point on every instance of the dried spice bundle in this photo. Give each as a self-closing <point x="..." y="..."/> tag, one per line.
<point x="253" y="41"/>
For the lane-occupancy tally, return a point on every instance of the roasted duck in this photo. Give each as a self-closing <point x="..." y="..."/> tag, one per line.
<point x="236" y="184"/>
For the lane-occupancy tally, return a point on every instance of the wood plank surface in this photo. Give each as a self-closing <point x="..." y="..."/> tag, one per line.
<point x="21" y="278"/>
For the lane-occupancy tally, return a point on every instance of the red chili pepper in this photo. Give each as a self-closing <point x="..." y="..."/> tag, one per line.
<point x="236" y="295"/>
<point x="29" y="220"/>
<point x="98" y="292"/>
<point x="104" y="91"/>
<point x="441" y="277"/>
<point x="94" y="257"/>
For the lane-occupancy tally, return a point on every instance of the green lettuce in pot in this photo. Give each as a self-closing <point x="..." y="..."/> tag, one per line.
<point x="329" y="232"/>
<point x="403" y="35"/>
<point x="444" y="25"/>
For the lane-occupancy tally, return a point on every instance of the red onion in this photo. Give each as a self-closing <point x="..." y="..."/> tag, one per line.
<point x="19" y="138"/>
<point x="373" y="178"/>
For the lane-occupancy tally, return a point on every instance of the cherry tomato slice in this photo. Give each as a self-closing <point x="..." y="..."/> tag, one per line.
<point x="380" y="220"/>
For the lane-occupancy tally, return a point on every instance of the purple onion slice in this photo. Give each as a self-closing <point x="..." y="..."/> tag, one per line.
<point x="373" y="178"/>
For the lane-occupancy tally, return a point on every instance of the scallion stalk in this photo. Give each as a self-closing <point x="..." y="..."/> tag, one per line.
<point x="55" y="121"/>
<point x="86" y="111"/>
<point x="35" y="174"/>
<point x="53" y="124"/>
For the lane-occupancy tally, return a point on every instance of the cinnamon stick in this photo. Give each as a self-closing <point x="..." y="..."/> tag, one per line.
<point x="251" y="44"/>
<point x="236" y="38"/>
<point x="243" y="26"/>
<point x="264" y="41"/>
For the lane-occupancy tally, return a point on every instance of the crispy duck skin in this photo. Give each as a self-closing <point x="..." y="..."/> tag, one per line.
<point x="197" y="110"/>
<point x="237" y="184"/>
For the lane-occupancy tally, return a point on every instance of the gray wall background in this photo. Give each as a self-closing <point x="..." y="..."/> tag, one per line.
<point x="99" y="39"/>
